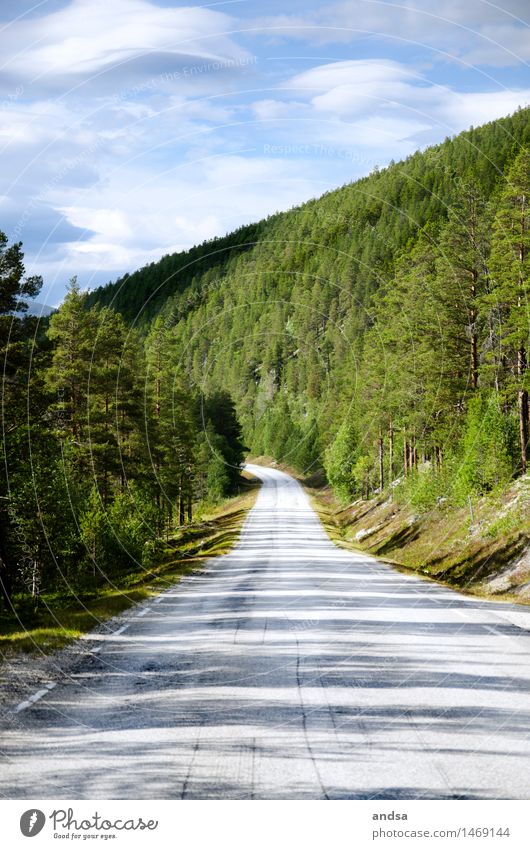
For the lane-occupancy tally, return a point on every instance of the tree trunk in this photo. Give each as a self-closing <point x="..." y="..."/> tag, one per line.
<point x="474" y="343"/>
<point x="391" y="453"/>
<point x="381" y="462"/>
<point x="6" y="583"/>
<point x="182" y="503"/>
<point x="523" y="410"/>
<point x="521" y="359"/>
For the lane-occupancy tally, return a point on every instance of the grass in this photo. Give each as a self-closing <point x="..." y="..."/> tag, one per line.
<point x="61" y="617"/>
<point x="441" y="544"/>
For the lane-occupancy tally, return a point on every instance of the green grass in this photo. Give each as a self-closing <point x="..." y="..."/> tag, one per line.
<point x="61" y="617"/>
<point x="442" y="545"/>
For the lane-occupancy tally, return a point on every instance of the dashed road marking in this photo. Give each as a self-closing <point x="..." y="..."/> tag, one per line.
<point x="144" y="611"/>
<point x="120" y="630"/>
<point x="35" y="697"/>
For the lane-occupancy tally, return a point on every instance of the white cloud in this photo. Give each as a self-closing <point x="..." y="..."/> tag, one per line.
<point x="476" y="31"/>
<point x="32" y="123"/>
<point x="138" y="216"/>
<point x="127" y="130"/>
<point x="90" y="36"/>
<point x="381" y="104"/>
<point x="110" y="222"/>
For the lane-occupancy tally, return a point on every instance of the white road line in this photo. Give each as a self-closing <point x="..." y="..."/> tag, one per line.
<point x="144" y="611"/>
<point x="158" y="600"/>
<point x="120" y="630"/>
<point x="35" y="697"/>
<point x="38" y="695"/>
<point x="97" y="649"/>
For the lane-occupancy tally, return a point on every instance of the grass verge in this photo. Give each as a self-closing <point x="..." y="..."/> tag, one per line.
<point x="63" y="616"/>
<point x="487" y="557"/>
<point x="482" y="550"/>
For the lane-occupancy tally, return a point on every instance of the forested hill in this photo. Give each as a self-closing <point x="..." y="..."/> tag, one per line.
<point x="380" y="332"/>
<point x="372" y="329"/>
<point x="140" y="295"/>
<point x="366" y="222"/>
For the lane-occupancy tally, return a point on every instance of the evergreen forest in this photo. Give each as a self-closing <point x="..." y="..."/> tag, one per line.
<point x="379" y="333"/>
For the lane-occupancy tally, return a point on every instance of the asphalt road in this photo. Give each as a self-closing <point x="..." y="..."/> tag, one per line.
<point x="288" y="669"/>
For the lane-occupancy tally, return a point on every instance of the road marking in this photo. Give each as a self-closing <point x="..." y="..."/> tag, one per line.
<point x="158" y="600"/>
<point x="120" y="630"/>
<point x="96" y="650"/>
<point x="144" y="611"/>
<point x="35" y="697"/>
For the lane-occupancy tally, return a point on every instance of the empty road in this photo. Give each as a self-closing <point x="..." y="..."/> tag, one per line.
<point x="287" y="669"/>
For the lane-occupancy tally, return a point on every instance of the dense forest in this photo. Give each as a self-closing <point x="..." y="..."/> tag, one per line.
<point x="107" y="444"/>
<point x="380" y="332"/>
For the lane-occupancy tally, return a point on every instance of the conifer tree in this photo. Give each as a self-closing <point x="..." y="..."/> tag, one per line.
<point x="510" y="265"/>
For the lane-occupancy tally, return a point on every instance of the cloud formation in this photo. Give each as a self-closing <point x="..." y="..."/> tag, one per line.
<point x="380" y="104"/>
<point x="475" y="31"/>
<point x="134" y="128"/>
<point x="89" y="40"/>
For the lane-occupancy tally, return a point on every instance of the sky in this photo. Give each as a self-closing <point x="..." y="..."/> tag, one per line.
<point x="131" y="129"/>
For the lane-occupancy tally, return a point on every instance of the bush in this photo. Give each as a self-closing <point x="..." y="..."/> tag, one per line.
<point x="487" y="458"/>
<point x="340" y="461"/>
<point x="424" y="488"/>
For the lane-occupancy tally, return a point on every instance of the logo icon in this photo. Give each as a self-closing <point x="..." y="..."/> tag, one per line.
<point x="32" y="822"/>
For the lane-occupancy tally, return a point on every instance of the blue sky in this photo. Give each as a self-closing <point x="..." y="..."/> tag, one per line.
<point x="130" y="129"/>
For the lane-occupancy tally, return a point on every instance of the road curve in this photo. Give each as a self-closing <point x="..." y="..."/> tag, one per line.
<point x="288" y="669"/>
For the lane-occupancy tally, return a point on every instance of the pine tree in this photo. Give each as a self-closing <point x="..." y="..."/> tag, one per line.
<point x="510" y="265"/>
<point x="461" y="280"/>
<point x="15" y="352"/>
<point x="73" y="330"/>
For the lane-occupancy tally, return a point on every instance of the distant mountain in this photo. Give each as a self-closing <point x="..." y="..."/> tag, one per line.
<point x="38" y="309"/>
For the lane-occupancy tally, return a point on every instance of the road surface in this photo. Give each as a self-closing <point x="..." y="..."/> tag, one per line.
<point x="287" y="669"/>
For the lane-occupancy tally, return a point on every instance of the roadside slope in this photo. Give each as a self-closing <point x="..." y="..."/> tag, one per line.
<point x="482" y="548"/>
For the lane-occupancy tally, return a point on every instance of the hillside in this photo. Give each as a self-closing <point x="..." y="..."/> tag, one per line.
<point x="362" y="226"/>
<point x="381" y="332"/>
<point x="279" y="320"/>
<point x="378" y="334"/>
<point x="139" y="296"/>
<point x="483" y="549"/>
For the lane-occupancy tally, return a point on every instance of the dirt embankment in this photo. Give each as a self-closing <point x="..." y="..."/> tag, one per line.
<point x="483" y="548"/>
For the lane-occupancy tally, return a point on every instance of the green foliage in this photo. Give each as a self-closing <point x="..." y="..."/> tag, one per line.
<point x="426" y="488"/>
<point x="343" y="468"/>
<point x="218" y="410"/>
<point x="101" y="446"/>
<point x="486" y="462"/>
<point x="381" y="331"/>
<point x="386" y="304"/>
